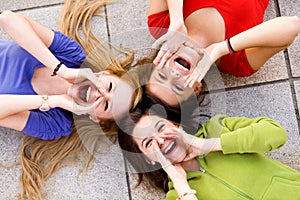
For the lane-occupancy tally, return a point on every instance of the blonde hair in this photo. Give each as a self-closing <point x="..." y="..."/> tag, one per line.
<point x="87" y="136"/>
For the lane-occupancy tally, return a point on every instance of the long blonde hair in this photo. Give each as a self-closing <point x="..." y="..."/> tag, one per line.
<point x="40" y="159"/>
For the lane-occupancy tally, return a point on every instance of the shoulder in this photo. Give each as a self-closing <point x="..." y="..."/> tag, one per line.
<point x="67" y="50"/>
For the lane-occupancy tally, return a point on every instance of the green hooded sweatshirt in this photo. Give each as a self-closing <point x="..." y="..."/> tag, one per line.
<point x="241" y="170"/>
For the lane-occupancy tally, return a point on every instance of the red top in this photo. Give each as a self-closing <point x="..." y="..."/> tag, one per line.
<point x="238" y="16"/>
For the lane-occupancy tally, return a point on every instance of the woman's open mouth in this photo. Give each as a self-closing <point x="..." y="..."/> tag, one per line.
<point x="84" y="93"/>
<point x="169" y="148"/>
<point x="182" y="64"/>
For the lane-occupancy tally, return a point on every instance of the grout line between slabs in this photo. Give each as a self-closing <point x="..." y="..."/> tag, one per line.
<point x="107" y="24"/>
<point x="36" y="7"/>
<point x="127" y="179"/>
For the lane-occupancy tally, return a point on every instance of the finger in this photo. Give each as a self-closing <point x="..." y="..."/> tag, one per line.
<point x="168" y="136"/>
<point x="158" y="43"/>
<point x="192" y="82"/>
<point x="164" y="59"/>
<point x="195" y="47"/>
<point x="158" y="57"/>
<point x="189" y="80"/>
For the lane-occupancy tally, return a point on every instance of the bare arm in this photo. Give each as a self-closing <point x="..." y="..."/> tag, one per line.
<point x="277" y="33"/>
<point x="31" y="36"/>
<point x="176" y="35"/>
<point x="175" y="11"/>
<point x="16" y="104"/>
<point x="36" y="39"/>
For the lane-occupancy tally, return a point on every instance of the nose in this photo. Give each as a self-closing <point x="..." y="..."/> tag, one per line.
<point x="175" y="73"/>
<point x="159" y="139"/>
<point x="101" y="93"/>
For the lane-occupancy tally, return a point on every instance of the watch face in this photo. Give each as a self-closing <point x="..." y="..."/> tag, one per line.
<point x="44" y="108"/>
<point x="45" y="105"/>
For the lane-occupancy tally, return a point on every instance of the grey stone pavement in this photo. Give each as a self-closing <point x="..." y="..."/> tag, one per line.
<point x="272" y="92"/>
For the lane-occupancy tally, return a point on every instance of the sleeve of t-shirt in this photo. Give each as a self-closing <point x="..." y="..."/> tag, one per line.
<point x="67" y="50"/>
<point x="49" y="125"/>
<point x="249" y="135"/>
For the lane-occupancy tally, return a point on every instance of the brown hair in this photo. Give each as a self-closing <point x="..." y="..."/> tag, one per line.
<point x="86" y="136"/>
<point x="189" y="119"/>
<point x="156" y="176"/>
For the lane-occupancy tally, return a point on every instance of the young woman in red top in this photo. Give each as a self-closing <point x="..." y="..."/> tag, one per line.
<point x="231" y="31"/>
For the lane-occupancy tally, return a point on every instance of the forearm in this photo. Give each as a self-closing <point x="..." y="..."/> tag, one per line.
<point x="12" y="104"/>
<point x="278" y="32"/>
<point x="257" y="135"/>
<point x="21" y="31"/>
<point x="269" y="34"/>
<point x="183" y="189"/>
<point x="175" y="11"/>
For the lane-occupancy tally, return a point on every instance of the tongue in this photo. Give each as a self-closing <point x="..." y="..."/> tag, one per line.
<point x="83" y="92"/>
<point x="183" y="63"/>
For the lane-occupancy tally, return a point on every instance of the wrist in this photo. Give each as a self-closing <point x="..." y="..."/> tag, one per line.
<point x="57" y="101"/>
<point x="186" y="194"/>
<point x="45" y="103"/>
<point x="223" y="48"/>
<point x="62" y="70"/>
<point x="177" y="25"/>
<point x="181" y="186"/>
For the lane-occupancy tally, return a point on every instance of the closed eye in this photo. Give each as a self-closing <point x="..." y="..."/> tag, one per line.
<point x="162" y="76"/>
<point x="160" y="128"/>
<point x="178" y="87"/>
<point x="106" y="105"/>
<point x="148" y="143"/>
<point x="110" y="87"/>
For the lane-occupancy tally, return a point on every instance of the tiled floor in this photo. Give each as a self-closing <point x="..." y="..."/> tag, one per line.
<point x="273" y="92"/>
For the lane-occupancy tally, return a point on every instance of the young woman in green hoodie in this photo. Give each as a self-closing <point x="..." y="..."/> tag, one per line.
<point x="223" y="160"/>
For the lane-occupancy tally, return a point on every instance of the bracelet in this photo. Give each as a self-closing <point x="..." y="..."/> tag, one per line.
<point x="57" y="68"/>
<point x="191" y="191"/>
<point x="231" y="50"/>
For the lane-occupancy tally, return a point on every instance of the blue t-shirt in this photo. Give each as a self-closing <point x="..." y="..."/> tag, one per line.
<point x="16" y="70"/>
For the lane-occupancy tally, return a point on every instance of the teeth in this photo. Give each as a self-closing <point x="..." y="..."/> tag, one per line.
<point x="180" y="66"/>
<point x="170" y="147"/>
<point x="88" y="92"/>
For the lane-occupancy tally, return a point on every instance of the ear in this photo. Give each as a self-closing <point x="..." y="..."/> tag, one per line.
<point x="197" y="88"/>
<point x="150" y="162"/>
<point x="95" y="119"/>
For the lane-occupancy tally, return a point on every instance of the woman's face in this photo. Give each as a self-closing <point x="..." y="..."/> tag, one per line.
<point x="168" y="83"/>
<point x="150" y="128"/>
<point x="112" y="96"/>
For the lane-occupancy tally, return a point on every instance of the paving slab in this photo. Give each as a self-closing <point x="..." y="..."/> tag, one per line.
<point x="48" y="17"/>
<point x="273" y="69"/>
<point x="144" y="191"/>
<point x="28" y="4"/>
<point x="292" y="9"/>
<point x="274" y="101"/>
<point x="128" y="26"/>
<point x="9" y="178"/>
<point x="105" y="179"/>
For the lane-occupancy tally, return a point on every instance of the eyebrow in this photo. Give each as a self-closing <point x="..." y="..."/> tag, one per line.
<point x="176" y="92"/>
<point x="156" y="124"/>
